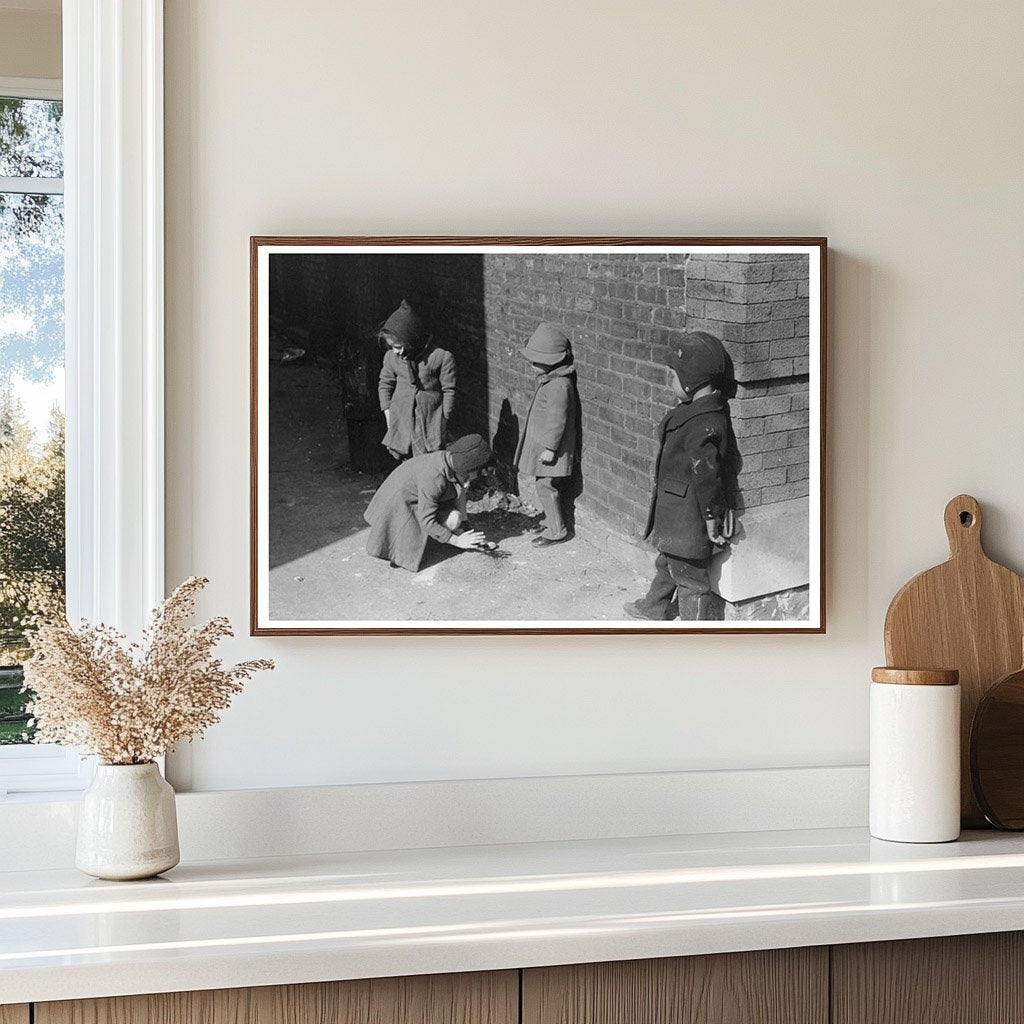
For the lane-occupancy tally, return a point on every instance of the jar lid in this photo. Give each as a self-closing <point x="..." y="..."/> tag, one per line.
<point x="916" y="676"/>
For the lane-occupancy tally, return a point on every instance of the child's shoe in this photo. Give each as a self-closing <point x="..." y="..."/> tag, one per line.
<point x="635" y="610"/>
<point x="545" y="542"/>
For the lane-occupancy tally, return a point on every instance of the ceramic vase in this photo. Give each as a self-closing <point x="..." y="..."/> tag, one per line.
<point x="127" y="825"/>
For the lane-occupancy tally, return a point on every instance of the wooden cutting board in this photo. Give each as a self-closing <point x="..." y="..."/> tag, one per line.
<point x="967" y="614"/>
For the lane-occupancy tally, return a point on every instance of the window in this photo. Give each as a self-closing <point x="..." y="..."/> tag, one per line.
<point x="31" y="382"/>
<point x="32" y="532"/>
<point x="113" y="329"/>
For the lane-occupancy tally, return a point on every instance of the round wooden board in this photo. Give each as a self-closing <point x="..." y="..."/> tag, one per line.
<point x="997" y="752"/>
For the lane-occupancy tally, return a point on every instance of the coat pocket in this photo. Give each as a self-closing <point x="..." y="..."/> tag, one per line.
<point x="676" y="487"/>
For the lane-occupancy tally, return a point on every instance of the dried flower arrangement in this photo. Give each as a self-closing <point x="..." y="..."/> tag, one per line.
<point x="130" y="703"/>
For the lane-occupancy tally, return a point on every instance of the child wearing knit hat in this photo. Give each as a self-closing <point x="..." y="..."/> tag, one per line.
<point x="424" y="500"/>
<point x="547" y="447"/>
<point x="416" y="385"/>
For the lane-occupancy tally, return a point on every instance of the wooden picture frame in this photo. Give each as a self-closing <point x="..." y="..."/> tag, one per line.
<point x="626" y="305"/>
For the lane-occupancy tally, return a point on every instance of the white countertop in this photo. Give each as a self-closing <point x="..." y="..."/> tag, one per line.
<point x="226" y="924"/>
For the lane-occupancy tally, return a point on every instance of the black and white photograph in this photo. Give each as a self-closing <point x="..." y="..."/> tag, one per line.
<point x="537" y="435"/>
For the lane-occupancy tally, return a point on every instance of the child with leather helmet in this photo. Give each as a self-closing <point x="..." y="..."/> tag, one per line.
<point x="689" y="518"/>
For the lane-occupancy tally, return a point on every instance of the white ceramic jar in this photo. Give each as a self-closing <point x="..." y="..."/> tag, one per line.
<point x="127" y="823"/>
<point x="915" y="755"/>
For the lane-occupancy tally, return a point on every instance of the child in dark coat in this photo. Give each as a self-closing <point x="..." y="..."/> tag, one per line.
<point x="547" y="447"/>
<point x="416" y="386"/>
<point x="424" y="500"/>
<point x="689" y="518"/>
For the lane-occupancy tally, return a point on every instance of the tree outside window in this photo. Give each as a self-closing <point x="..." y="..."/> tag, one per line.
<point x="32" y="541"/>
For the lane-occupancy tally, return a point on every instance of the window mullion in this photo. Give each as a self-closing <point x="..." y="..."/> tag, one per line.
<point x="32" y="186"/>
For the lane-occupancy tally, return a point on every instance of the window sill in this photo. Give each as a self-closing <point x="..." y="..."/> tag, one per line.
<point x="41" y="797"/>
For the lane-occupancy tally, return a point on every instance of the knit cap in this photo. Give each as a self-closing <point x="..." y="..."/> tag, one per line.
<point x="406" y="325"/>
<point x="469" y="453"/>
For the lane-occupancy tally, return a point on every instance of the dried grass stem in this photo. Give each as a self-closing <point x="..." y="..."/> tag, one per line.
<point x="129" y="703"/>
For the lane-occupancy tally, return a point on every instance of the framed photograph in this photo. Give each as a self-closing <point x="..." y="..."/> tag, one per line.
<point x="537" y="435"/>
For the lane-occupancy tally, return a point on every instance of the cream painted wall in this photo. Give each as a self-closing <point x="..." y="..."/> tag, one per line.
<point x="895" y="129"/>
<point x="30" y="43"/>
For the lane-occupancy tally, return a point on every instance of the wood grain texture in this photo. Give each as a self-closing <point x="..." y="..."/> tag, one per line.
<point x="481" y="998"/>
<point x="997" y="752"/>
<point x="967" y="614"/>
<point x="962" y="979"/>
<point x="14" y="1014"/>
<point x="777" y="986"/>
<point x="915" y="676"/>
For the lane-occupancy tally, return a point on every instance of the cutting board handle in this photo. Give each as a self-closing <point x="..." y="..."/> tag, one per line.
<point x="963" y="526"/>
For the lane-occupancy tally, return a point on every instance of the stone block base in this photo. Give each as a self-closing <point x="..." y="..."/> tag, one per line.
<point x="769" y="554"/>
<point x="786" y="605"/>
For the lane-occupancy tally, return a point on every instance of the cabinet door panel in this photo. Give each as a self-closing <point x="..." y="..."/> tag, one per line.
<point x="14" y="1014"/>
<point x="483" y="998"/>
<point x="960" y="979"/>
<point x="779" y="986"/>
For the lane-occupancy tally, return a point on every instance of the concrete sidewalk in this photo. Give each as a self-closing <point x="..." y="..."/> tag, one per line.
<point x="320" y="571"/>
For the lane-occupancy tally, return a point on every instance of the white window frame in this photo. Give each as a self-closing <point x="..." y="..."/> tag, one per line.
<point x="114" y="323"/>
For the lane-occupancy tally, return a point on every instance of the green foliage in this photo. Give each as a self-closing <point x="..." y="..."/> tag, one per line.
<point x="31" y="525"/>
<point x="31" y="548"/>
<point x="14" y="727"/>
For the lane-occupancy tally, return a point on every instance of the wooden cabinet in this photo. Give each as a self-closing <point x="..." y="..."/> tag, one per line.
<point x="491" y="998"/>
<point x="778" y="986"/>
<point x="962" y="979"/>
<point x="967" y="979"/>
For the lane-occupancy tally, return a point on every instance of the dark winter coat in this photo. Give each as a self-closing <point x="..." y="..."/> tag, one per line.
<point x="688" y="486"/>
<point x="419" y="390"/>
<point x="409" y="507"/>
<point x="550" y="423"/>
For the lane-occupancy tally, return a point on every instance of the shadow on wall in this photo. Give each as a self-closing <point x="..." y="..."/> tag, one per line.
<point x="574" y="488"/>
<point x="505" y="443"/>
<point x="447" y="291"/>
<point x="734" y="461"/>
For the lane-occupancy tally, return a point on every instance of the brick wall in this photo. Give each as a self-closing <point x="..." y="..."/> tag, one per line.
<point x="623" y="311"/>
<point x="758" y="305"/>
